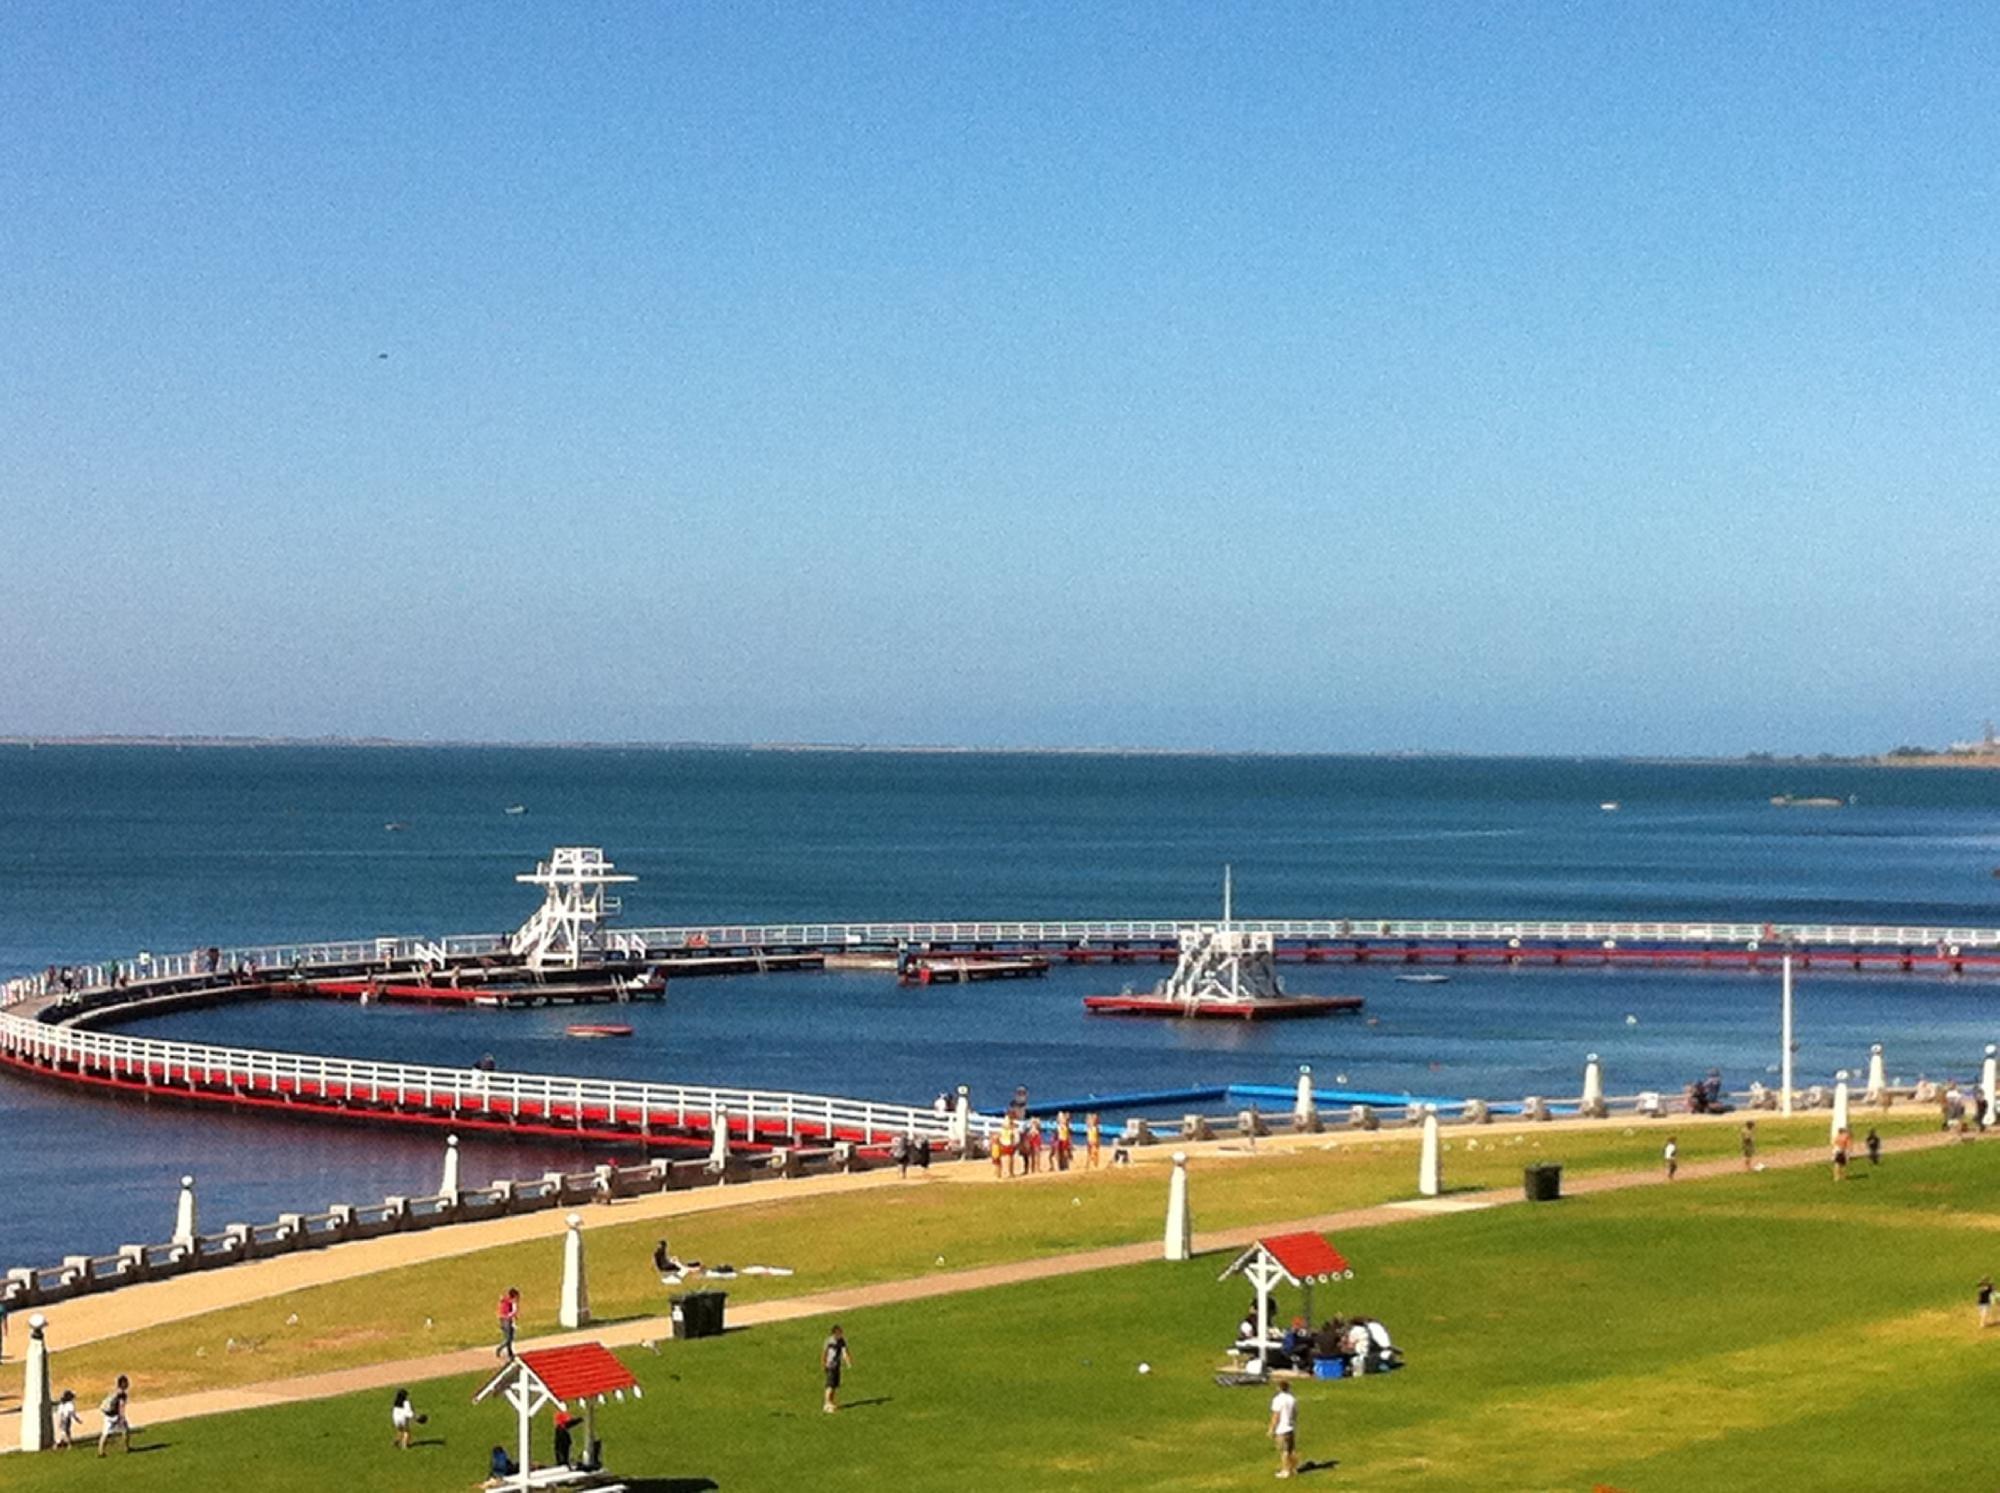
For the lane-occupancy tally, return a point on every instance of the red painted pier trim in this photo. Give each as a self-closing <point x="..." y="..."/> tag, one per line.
<point x="1254" y="1010"/>
<point x="358" y="1104"/>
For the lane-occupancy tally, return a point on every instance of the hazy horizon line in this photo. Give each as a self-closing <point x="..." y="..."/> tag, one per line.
<point x="250" y="741"/>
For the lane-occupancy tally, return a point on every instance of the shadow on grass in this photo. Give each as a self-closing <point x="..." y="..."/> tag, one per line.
<point x="1324" y="1464"/>
<point x="864" y="1404"/>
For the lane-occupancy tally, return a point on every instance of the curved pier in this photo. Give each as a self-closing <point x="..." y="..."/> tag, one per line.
<point x="45" y="1026"/>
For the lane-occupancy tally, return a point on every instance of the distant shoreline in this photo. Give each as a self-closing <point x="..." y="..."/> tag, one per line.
<point x="390" y="743"/>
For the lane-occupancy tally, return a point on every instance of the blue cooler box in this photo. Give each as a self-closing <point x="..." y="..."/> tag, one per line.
<point x="1329" y="1368"/>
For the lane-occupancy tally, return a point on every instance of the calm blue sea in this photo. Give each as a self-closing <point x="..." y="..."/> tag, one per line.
<point x="112" y="850"/>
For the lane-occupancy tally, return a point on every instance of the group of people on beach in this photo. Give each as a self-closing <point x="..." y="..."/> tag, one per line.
<point x="1023" y="1142"/>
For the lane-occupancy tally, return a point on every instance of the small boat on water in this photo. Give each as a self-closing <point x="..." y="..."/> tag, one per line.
<point x="1795" y="801"/>
<point x="1423" y="979"/>
<point x="1610" y="806"/>
<point x="515" y="809"/>
<point x="594" y="1029"/>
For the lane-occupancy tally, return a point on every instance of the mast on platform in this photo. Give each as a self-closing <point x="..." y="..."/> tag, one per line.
<point x="567" y="930"/>
<point x="1220" y="962"/>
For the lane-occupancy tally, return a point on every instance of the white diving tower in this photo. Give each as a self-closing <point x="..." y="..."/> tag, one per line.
<point x="1223" y="964"/>
<point x="568" y="928"/>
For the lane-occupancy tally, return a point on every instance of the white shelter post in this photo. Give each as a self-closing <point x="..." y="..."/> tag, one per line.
<point x="1988" y="1073"/>
<point x="1839" y="1121"/>
<point x="37" y="1416"/>
<point x="1429" y="1183"/>
<point x="1878" y="1082"/>
<point x="1305" y="1113"/>
<point x="1593" y="1088"/>
<point x="575" y="1308"/>
<point x="448" y="1187"/>
<point x="1785" y="1044"/>
<point x="1180" y="1224"/>
<point x="184" y="1215"/>
<point x="961" y="1122"/>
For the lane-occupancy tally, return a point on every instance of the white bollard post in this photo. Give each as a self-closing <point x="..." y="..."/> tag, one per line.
<point x="961" y="1122"/>
<point x="718" y="1140"/>
<point x="1305" y="1113"/>
<point x="1839" y="1121"/>
<point x="1878" y="1083"/>
<point x="1180" y="1223"/>
<point x="184" y="1215"/>
<point x="449" y="1186"/>
<point x="1988" y="1073"/>
<point x="1593" y="1089"/>
<point x="575" y="1310"/>
<point x="1428" y="1181"/>
<point x="1785" y="1040"/>
<point x="38" y="1427"/>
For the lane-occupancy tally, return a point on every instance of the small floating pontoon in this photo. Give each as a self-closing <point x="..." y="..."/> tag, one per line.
<point x="597" y="1029"/>
<point x="1223" y="971"/>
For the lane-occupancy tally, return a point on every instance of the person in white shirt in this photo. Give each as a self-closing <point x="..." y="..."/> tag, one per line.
<point x="67" y="1417"/>
<point x="1284" y="1429"/>
<point x="1358" y="1342"/>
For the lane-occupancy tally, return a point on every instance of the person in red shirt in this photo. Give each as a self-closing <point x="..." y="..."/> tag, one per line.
<point x="509" y="1312"/>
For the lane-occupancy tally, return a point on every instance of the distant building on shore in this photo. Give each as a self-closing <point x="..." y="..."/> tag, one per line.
<point x="1988" y="745"/>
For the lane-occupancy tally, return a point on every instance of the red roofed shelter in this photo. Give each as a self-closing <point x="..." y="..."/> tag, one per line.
<point x="583" y="1373"/>
<point x="1301" y="1260"/>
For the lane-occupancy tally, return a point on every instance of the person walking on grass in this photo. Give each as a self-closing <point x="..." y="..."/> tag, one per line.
<point x="402" y="1416"/>
<point x="509" y="1313"/>
<point x="66" y="1419"/>
<point x="834" y="1357"/>
<point x="1985" y="1301"/>
<point x="116" y="1411"/>
<point x="1874" y="1145"/>
<point x="1672" y="1156"/>
<point x="1749" y="1142"/>
<point x="1284" y="1429"/>
<point x="1842" y="1142"/>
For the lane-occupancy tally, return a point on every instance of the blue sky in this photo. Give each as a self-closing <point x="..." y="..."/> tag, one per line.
<point x="1611" y="378"/>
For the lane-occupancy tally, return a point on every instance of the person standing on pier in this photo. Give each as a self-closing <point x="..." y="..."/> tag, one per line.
<point x="1093" y="1141"/>
<point x="509" y="1313"/>
<point x="1065" y="1142"/>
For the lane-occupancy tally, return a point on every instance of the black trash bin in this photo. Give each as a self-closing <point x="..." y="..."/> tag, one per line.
<point x="698" y="1313"/>
<point x="1542" y="1181"/>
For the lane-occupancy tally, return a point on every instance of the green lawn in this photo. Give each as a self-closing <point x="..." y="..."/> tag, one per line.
<point x="1745" y="1327"/>
<point x="838" y="1241"/>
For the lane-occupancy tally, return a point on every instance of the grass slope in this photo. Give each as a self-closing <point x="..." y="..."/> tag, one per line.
<point x="1745" y="1326"/>
<point x="890" y="1234"/>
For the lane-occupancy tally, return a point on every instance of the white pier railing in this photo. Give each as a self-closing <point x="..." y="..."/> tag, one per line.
<point x="168" y="1065"/>
<point x="400" y="949"/>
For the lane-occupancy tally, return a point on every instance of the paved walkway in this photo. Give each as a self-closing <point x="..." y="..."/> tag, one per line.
<point x="884" y="1293"/>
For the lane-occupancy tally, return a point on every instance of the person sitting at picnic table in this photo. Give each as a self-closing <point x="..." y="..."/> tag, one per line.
<point x="1297" y="1345"/>
<point x="1358" y="1346"/>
